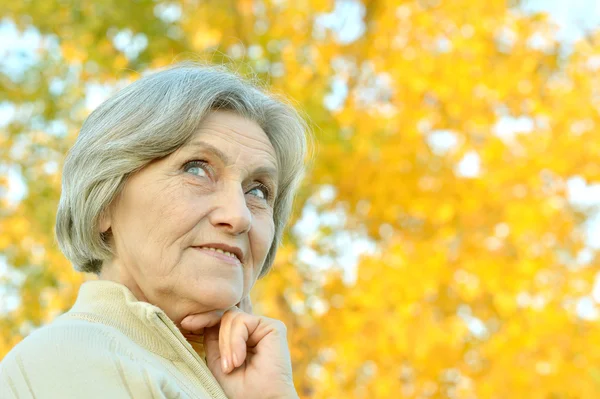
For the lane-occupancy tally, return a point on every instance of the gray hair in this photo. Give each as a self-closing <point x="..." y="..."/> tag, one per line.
<point x="150" y="119"/>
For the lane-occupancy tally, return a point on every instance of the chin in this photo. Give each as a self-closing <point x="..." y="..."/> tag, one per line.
<point x="221" y="296"/>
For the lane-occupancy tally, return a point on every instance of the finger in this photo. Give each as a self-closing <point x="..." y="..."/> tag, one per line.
<point x="224" y="339"/>
<point x="196" y="323"/>
<point x="211" y="347"/>
<point x="239" y="334"/>
<point x="263" y="327"/>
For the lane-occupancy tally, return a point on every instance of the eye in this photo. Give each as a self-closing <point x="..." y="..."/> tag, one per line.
<point x="261" y="191"/>
<point x="198" y="168"/>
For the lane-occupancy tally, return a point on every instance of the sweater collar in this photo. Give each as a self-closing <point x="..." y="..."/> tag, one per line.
<point x="113" y="304"/>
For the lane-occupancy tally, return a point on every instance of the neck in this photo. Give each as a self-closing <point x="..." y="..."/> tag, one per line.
<point x="112" y="271"/>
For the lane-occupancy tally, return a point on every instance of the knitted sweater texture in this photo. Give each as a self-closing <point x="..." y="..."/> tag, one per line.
<point x="109" y="345"/>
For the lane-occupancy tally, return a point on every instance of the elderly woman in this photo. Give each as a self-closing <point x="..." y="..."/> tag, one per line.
<point x="175" y="194"/>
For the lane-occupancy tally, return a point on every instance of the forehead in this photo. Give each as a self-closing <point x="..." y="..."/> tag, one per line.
<point x="235" y="136"/>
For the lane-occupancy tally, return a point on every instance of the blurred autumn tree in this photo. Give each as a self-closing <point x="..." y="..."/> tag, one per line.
<point x="447" y="134"/>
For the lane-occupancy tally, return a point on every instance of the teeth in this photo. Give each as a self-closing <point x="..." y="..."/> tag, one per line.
<point x="231" y="255"/>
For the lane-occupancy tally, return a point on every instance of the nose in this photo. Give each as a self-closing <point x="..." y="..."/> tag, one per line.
<point x="231" y="213"/>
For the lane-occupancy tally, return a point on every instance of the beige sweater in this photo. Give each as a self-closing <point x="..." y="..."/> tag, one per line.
<point x="109" y="345"/>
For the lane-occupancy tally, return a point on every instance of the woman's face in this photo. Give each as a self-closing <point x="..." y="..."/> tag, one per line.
<point x="215" y="192"/>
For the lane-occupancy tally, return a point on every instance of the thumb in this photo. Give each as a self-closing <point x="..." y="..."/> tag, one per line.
<point x="211" y="349"/>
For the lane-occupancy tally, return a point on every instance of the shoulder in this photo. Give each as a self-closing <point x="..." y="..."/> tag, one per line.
<point x="68" y="338"/>
<point x="74" y="358"/>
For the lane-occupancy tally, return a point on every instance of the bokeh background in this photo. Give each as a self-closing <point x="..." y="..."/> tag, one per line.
<point x="444" y="243"/>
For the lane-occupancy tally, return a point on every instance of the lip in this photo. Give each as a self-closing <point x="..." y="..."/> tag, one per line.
<point x="234" y="250"/>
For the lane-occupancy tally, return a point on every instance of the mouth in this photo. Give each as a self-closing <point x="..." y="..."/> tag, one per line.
<point x="222" y="251"/>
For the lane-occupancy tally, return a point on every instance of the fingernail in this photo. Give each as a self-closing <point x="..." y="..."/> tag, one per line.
<point x="225" y="364"/>
<point x="235" y="360"/>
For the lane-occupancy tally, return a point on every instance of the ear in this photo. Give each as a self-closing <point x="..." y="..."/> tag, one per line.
<point x="105" y="221"/>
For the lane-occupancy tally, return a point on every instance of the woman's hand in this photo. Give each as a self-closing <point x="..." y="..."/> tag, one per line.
<point x="249" y="355"/>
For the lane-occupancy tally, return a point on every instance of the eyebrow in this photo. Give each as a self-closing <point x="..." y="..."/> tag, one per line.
<point x="261" y="170"/>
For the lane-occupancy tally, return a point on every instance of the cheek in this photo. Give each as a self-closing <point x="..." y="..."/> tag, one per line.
<point x="262" y="235"/>
<point x="165" y="217"/>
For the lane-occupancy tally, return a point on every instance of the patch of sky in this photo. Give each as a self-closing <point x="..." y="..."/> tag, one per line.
<point x="469" y="166"/>
<point x="51" y="167"/>
<point x="7" y="113"/>
<point x="582" y="194"/>
<point x="586" y="197"/>
<point x="347" y="246"/>
<point x="18" y="151"/>
<point x="507" y="127"/>
<point x="56" y="86"/>
<point x="587" y="308"/>
<point x="129" y="43"/>
<point x="592" y="231"/>
<point x="593" y="63"/>
<point x="57" y="128"/>
<point x="10" y="300"/>
<point x="346" y="21"/>
<point x="505" y="39"/>
<point x="336" y="97"/>
<point x="475" y="325"/>
<point x="541" y="42"/>
<point x="375" y="90"/>
<point x="574" y="18"/>
<point x="17" y="189"/>
<point x="442" y="141"/>
<point x="96" y="94"/>
<point x="168" y="12"/>
<point x="18" y="50"/>
<point x="443" y="44"/>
